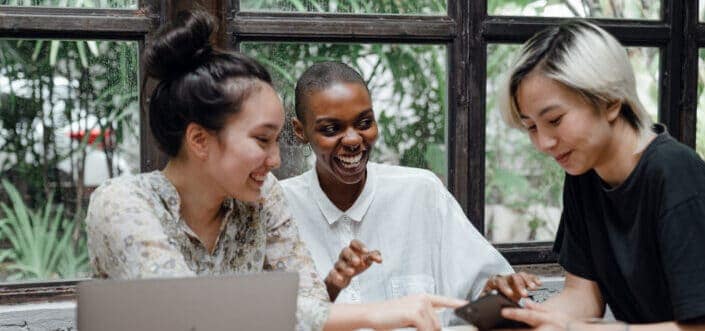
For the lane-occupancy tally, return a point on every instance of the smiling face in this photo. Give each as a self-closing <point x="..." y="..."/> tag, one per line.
<point x="564" y="124"/>
<point x="247" y="148"/>
<point x="341" y="128"/>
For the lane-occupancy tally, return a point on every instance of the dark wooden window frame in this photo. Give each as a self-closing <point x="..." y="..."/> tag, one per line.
<point x="466" y="31"/>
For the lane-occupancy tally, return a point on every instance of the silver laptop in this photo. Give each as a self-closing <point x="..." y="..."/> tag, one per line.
<point x="262" y="301"/>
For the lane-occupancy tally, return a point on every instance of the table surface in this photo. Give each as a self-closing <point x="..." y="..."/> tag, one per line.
<point x="448" y="328"/>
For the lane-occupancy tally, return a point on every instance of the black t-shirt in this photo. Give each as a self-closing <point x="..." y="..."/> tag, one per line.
<point x="643" y="242"/>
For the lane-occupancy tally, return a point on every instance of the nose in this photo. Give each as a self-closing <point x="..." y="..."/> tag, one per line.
<point x="352" y="139"/>
<point x="545" y="141"/>
<point x="273" y="160"/>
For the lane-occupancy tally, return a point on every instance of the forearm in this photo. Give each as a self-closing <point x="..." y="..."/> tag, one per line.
<point x="574" y="303"/>
<point x="666" y="326"/>
<point x="348" y="317"/>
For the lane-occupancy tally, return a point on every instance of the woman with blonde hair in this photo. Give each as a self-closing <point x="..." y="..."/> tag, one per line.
<point x="633" y="221"/>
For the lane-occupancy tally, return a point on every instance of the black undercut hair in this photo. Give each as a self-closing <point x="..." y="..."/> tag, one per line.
<point x="319" y="77"/>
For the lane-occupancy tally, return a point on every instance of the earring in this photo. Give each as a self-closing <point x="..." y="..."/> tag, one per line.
<point x="307" y="150"/>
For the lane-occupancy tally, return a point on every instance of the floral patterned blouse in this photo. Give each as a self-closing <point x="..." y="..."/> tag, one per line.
<point x="135" y="231"/>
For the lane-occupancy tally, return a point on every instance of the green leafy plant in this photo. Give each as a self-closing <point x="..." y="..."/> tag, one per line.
<point x="41" y="242"/>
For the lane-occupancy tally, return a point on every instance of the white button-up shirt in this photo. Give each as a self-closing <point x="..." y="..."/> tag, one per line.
<point x="428" y="245"/>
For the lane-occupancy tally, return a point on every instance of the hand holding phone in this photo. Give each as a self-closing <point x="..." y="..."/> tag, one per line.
<point x="485" y="313"/>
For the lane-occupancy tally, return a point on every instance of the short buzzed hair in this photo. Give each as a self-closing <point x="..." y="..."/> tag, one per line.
<point x="319" y="77"/>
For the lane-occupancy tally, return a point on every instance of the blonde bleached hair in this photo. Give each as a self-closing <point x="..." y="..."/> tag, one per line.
<point x="583" y="57"/>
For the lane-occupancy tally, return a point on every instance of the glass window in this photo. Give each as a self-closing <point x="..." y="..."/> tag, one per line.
<point x="700" y="115"/>
<point x="701" y="7"/>
<point x="437" y="7"/>
<point x="68" y="120"/>
<point x="523" y="188"/>
<point x="409" y="93"/>
<point x="632" y="9"/>
<point x="72" y="3"/>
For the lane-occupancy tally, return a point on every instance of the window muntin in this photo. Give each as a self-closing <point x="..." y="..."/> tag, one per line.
<point x="118" y="4"/>
<point x="631" y="9"/>
<point x="431" y="7"/>
<point x="700" y="115"/>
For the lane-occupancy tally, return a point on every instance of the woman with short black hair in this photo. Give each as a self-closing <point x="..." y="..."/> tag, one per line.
<point x="346" y="202"/>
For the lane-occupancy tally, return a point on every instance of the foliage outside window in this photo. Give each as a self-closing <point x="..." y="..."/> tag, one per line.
<point x="409" y="93"/>
<point x="632" y="9"/>
<point x="523" y="188"/>
<point x="68" y="121"/>
<point x="73" y="3"/>
<point x="437" y="7"/>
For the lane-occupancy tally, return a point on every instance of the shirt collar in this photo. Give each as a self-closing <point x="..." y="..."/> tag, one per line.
<point x="357" y="211"/>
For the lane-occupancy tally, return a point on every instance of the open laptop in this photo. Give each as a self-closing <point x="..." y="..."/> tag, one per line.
<point x="262" y="301"/>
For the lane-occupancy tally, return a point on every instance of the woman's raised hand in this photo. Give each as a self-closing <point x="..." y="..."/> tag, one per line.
<point x="353" y="260"/>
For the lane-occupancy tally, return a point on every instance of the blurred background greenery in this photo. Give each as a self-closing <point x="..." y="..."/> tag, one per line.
<point x="69" y="120"/>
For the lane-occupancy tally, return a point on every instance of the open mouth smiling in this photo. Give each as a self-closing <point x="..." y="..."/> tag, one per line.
<point x="350" y="162"/>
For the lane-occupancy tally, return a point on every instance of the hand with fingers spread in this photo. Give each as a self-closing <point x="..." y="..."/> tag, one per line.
<point x="418" y="311"/>
<point x="538" y="317"/>
<point x="353" y="260"/>
<point x="513" y="286"/>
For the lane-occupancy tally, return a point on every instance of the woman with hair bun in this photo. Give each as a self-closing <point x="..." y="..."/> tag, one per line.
<point x="633" y="222"/>
<point x="216" y="208"/>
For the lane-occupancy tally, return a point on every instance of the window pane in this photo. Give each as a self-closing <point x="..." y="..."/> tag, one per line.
<point x="700" y="115"/>
<point x="523" y="188"/>
<point x="701" y="6"/>
<point x="436" y="7"/>
<point x="72" y="3"/>
<point x="68" y="121"/>
<point x="408" y="87"/>
<point x="633" y="9"/>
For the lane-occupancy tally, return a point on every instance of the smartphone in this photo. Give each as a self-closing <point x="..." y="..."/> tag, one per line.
<point x="485" y="313"/>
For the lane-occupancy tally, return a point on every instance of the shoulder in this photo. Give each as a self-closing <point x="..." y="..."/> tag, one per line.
<point x="673" y="166"/>
<point x="668" y="154"/>
<point x="295" y="183"/>
<point x="406" y="176"/>
<point x="676" y="171"/>
<point x="122" y="195"/>
<point x="125" y="187"/>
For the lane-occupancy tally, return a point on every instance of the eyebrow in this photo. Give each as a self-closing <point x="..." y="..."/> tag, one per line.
<point x="541" y="113"/>
<point x="328" y="119"/>
<point x="270" y="126"/>
<point x="365" y="113"/>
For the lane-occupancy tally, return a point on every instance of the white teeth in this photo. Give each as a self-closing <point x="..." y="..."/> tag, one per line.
<point x="259" y="178"/>
<point x="350" y="161"/>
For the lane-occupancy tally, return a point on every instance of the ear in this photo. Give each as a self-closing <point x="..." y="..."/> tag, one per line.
<point x="299" y="130"/>
<point x="196" y="140"/>
<point x="613" y="110"/>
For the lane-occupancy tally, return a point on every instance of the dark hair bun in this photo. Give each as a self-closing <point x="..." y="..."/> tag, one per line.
<point x="181" y="46"/>
<point x="196" y="81"/>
